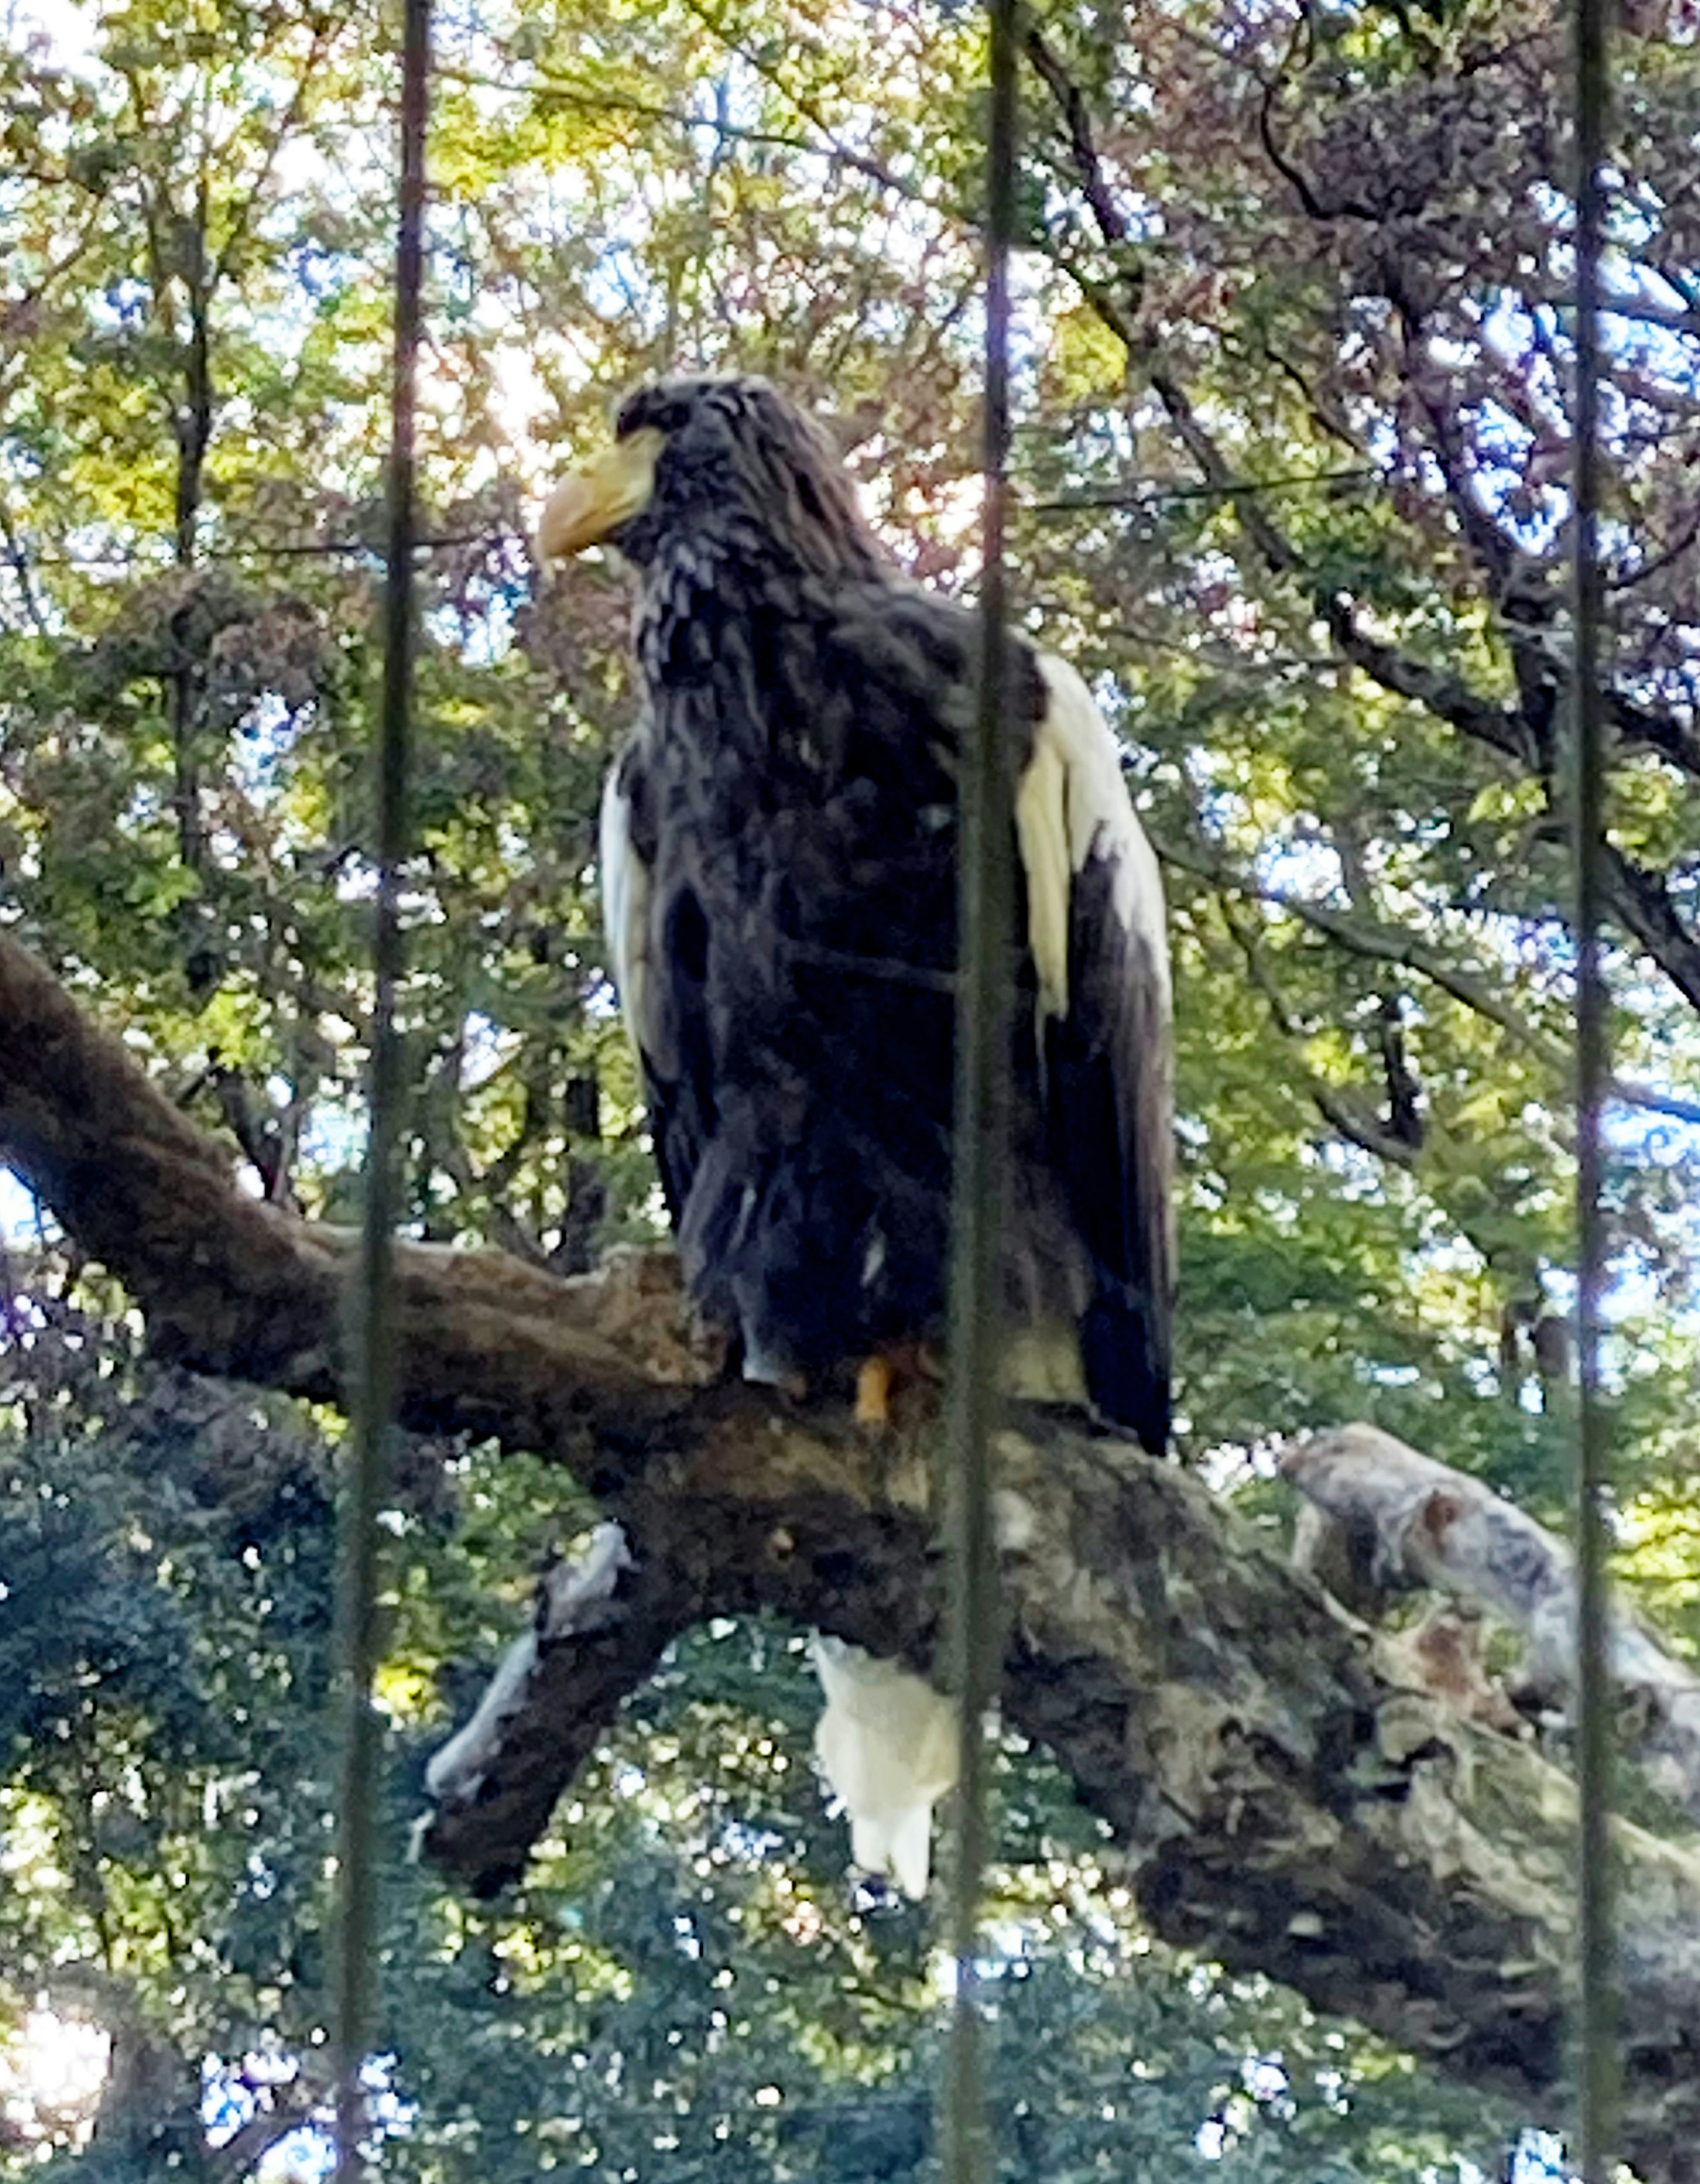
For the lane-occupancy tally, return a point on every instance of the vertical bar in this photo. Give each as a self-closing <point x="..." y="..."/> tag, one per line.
<point x="985" y="898"/>
<point x="1596" y="2024"/>
<point x="372" y="1313"/>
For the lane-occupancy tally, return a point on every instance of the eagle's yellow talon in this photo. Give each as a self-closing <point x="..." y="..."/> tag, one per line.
<point x="873" y="1392"/>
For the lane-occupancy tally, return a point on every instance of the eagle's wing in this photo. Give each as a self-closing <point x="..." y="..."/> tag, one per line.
<point x="1095" y="928"/>
<point x="661" y="1009"/>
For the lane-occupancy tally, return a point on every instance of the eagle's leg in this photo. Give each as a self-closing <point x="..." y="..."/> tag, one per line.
<point x="878" y="1376"/>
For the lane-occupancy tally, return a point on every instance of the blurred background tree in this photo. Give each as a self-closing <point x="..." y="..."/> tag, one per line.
<point x="1290" y="462"/>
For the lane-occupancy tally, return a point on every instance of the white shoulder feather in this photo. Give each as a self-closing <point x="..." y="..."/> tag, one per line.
<point x="1072" y="804"/>
<point x="625" y="904"/>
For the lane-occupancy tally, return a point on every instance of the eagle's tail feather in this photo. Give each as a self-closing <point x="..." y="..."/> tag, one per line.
<point x="898" y="1845"/>
<point x="886" y="1744"/>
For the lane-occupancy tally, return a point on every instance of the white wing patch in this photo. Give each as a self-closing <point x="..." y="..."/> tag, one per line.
<point x="1072" y="804"/>
<point x="625" y="906"/>
<point x="887" y="1745"/>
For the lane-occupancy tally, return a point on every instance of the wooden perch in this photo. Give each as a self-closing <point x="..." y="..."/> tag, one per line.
<point x="1421" y="1523"/>
<point x="1282" y="1803"/>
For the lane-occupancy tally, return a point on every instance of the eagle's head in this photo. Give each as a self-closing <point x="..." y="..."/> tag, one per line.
<point x="717" y="468"/>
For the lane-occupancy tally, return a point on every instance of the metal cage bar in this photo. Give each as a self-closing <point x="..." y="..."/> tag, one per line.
<point x="372" y="1307"/>
<point x="986" y="901"/>
<point x="1597" y="2069"/>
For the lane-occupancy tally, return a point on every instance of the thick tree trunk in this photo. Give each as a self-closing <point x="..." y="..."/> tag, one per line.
<point x="1284" y="1803"/>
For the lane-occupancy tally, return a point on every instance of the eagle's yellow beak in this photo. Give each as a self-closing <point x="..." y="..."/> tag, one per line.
<point x="587" y="506"/>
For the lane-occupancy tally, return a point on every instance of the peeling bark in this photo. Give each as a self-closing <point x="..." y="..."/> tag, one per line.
<point x="1283" y="1802"/>
<point x="1423" y="1523"/>
<point x="600" y="1627"/>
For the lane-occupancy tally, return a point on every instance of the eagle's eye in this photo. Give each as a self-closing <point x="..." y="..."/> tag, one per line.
<point x="658" y="413"/>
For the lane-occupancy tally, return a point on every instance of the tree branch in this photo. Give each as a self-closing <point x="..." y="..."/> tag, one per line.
<point x="1655" y="728"/>
<point x="233" y="1286"/>
<point x="1366" y="936"/>
<point x="288" y="2107"/>
<point x="1501" y="727"/>
<point x="1641" y="902"/>
<point x="1639" y="899"/>
<point x="1071" y="105"/>
<point x="1379" y="943"/>
<point x="18" y="562"/>
<point x="1341" y="1114"/>
<point x="1282" y="1803"/>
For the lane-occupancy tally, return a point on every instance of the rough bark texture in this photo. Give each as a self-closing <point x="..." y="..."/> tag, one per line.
<point x="1283" y="1802"/>
<point x="1420" y="1522"/>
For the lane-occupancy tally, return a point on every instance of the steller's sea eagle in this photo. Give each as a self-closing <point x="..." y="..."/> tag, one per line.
<point x="779" y="872"/>
<point x="778" y="865"/>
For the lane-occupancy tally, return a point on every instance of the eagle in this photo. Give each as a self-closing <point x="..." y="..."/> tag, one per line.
<point x="778" y="868"/>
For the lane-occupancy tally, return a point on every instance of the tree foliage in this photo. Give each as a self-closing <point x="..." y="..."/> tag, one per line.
<point x="1294" y="359"/>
